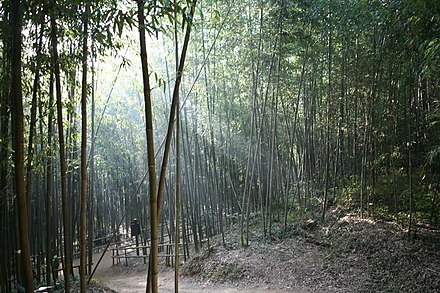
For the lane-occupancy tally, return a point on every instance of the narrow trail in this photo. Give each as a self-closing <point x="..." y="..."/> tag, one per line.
<point x="353" y="255"/>
<point x="132" y="279"/>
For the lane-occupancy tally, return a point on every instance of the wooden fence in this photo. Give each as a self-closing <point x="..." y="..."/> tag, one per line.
<point x="131" y="251"/>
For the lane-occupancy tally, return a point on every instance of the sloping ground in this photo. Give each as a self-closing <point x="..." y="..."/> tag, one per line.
<point x="131" y="279"/>
<point x="351" y="255"/>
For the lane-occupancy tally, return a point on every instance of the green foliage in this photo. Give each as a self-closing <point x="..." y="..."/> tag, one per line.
<point x="390" y="196"/>
<point x="270" y="88"/>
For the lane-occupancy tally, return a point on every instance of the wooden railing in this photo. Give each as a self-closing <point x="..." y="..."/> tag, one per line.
<point x="131" y="251"/>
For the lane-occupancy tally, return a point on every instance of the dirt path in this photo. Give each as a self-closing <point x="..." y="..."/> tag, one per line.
<point x="132" y="279"/>
<point x="351" y="255"/>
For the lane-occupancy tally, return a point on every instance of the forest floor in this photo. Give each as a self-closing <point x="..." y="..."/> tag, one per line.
<point x="349" y="254"/>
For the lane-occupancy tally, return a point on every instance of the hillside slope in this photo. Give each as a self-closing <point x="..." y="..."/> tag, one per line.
<point x="350" y="255"/>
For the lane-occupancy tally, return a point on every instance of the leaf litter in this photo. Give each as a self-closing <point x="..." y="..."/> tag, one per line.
<point x="349" y="255"/>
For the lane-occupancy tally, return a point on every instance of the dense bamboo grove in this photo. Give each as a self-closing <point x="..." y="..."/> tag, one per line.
<point x="284" y="110"/>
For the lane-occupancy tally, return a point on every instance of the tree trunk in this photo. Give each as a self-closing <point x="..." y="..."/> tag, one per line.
<point x="33" y="121"/>
<point x="177" y="206"/>
<point x="18" y="145"/>
<point x="65" y="204"/>
<point x="327" y="148"/>
<point x="155" y="212"/>
<point x="83" y="202"/>
<point x="4" y="164"/>
<point x="92" y="179"/>
<point x="150" y="149"/>
<point x="49" y="180"/>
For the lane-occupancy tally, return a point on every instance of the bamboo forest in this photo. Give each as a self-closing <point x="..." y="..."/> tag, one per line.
<point x="220" y="146"/>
